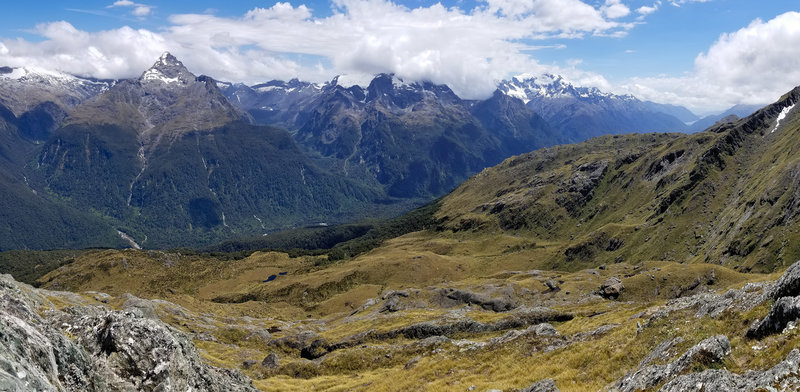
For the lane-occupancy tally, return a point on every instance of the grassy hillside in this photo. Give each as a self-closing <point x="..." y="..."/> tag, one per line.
<point x="727" y="196"/>
<point x="228" y="306"/>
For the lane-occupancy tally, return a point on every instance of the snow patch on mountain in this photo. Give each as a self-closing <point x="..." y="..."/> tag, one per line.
<point x="154" y="74"/>
<point x="782" y="115"/>
<point x="527" y="88"/>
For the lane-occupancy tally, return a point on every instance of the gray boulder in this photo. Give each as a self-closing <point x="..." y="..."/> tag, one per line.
<point x="788" y="285"/>
<point x="271" y="361"/>
<point x="547" y="385"/>
<point x="551" y="285"/>
<point x="784" y="310"/>
<point x="611" y="288"/>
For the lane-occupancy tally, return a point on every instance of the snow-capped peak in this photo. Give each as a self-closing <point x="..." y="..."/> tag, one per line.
<point x="528" y="87"/>
<point x="38" y="74"/>
<point x="168" y="70"/>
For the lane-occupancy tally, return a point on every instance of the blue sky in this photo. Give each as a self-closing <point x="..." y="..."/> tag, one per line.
<point x="704" y="54"/>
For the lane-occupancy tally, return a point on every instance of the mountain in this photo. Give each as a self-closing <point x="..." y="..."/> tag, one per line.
<point x="679" y="112"/>
<point x="168" y="161"/>
<point x="738" y="111"/>
<point x="41" y="98"/>
<point x="30" y="219"/>
<point x="583" y="112"/>
<point x="415" y="140"/>
<point x="274" y="103"/>
<point x="726" y="196"/>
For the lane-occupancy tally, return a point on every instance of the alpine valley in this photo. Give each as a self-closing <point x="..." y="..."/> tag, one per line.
<point x="549" y="238"/>
<point x="171" y="159"/>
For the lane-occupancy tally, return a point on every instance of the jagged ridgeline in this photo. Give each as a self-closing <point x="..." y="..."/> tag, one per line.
<point x="729" y="195"/>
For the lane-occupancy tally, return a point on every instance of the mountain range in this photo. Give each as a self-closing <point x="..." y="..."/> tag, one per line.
<point x="173" y="159"/>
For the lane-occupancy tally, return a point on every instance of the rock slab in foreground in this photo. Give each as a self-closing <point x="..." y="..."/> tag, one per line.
<point x="89" y="348"/>
<point x="784" y="377"/>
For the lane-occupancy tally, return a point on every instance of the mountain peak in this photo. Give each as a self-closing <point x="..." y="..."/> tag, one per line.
<point x="530" y="87"/>
<point x="168" y="70"/>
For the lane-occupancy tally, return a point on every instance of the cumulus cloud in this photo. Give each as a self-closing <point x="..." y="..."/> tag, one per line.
<point x="645" y="10"/>
<point x="755" y="65"/>
<point x="467" y="49"/>
<point x="139" y="10"/>
<point x="614" y="9"/>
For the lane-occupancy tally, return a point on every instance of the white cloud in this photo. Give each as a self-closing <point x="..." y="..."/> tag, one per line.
<point x="645" y="10"/>
<point x="614" y="9"/>
<point x="678" y="3"/>
<point x="754" y="65"/>
<point x="468" y="50"/>
<point x="142" y="10"/>
<point x="139" y="10"/>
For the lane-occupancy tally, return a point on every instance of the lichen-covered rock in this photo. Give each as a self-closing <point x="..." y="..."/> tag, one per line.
<point x="783" y="377"/>
<point x="543" y="329"/>
<point x="784" y="310"/>
<point x="106" y="351"/>
<point x="271" y="361"/>
<point x="788" y="285"/>
<point x="713" y="305"/>
<point x="708" y="351"/>
<point x="547" y="385"/>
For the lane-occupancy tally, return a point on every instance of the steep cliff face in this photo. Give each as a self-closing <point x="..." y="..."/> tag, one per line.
<point x="90" y="348"/>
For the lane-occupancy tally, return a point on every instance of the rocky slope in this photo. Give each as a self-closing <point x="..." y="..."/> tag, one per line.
<point x="41" y="99"/>
<point x="82" y="347"/>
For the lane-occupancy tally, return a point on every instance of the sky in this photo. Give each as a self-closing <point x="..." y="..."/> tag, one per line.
<point x="706" y="55"/>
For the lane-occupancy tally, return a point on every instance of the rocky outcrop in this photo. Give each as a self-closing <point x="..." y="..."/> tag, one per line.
<point x="713" y="305"/>
<point x="788" y="285"/>
<point x="784" y="311"/>
<point x="611" y="288"/>
<point x="91" y="348"/>
<point x="468" y="297"/>
<point x="579" y="188"/>
<point x="707" y="352"/>
<point x="784" y="377"/>
<point x="546" y="385"/>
